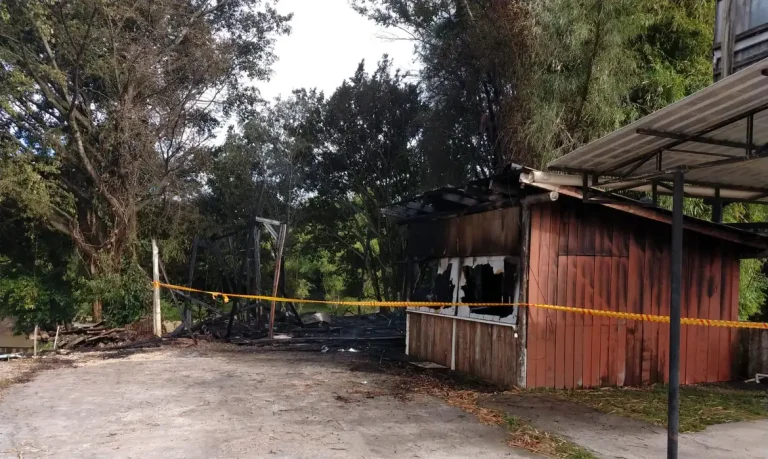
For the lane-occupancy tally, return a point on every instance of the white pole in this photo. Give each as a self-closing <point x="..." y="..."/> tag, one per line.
<point x="35" y="351"/>
<point x="156" y="319"/>
<point x="56" y="340"/>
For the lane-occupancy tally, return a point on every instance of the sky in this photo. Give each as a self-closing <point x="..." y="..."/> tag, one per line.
<point x="327" y="41"/>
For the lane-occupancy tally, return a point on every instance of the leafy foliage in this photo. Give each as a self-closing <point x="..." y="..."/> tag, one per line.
<point x="474" y="55"/>
<point x="125" y="296"/>
<point x="108" y="110"/>
<point x="106" y="106"/>
<point x="34" y="265"/>
<point x="366" y="156"/>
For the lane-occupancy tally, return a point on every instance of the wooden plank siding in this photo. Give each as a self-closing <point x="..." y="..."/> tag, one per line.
<point x="429" y="338"/>
<point x="495" y="232"/>
<point x="485" y="350"/>
<point x="594" y="257"/>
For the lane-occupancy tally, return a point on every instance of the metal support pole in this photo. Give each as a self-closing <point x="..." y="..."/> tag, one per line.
<point x="673" y="399"/>
<point x="156" y="320"/>
<point x="278" y="261"/>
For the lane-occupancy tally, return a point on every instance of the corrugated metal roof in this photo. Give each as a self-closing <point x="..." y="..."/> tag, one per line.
<point x="705" y="134"/>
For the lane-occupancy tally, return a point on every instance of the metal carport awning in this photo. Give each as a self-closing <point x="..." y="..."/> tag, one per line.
<point x="717" y="137"/>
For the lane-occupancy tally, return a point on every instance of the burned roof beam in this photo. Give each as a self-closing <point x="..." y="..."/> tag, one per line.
<point x="420" y="207"/>
<point x="464" y="200"/>
<point x="695" y="139"/>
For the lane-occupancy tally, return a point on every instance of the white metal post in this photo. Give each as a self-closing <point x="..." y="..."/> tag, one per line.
<point x="157" y="326"/>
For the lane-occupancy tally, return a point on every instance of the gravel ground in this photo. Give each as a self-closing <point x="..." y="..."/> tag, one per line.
<point x="217" y="401"/>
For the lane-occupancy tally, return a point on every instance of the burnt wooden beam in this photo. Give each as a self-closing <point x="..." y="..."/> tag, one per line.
<point x="457" y="198"/>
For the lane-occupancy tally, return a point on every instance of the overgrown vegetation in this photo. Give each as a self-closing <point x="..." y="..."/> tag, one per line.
<point x="700" y="406"/>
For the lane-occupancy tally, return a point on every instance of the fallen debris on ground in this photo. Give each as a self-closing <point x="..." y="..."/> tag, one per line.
<point x="521" y="435"/>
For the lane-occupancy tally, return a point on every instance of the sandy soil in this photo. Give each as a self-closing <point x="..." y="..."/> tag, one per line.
<point x="207" y="402"/>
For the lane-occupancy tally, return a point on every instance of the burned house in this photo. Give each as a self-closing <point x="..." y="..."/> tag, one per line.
<point x="518" y="238"/>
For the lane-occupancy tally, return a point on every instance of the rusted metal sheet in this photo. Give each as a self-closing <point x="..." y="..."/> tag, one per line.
<point x="495" y="232"/>
<point x="595" y="257"/>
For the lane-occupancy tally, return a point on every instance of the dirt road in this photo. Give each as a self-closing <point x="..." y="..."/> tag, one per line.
<point x="188" y="403"/>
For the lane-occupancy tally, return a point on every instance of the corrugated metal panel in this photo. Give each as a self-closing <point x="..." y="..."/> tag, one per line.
<point x="610" y="261"/>
<point x="738" y="94"/>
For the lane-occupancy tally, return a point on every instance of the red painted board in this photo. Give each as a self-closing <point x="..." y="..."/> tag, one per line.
<point x="551" y="316"/>
<point x="533" y="297"/>
<point x="542" y="286"/>
<point x="713" y="288"/>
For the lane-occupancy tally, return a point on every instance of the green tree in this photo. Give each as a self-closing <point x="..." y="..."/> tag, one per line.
<point x="106" y="107"/>
<point x="475" y="57"/>
<point x="34" y="280"/>
<point x="366" y="155"/>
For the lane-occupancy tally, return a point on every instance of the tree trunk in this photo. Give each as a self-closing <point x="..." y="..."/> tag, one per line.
<point x="97" y="306"/>
<point x="372" y="272"/>
<point x="256" y="279"/>
<point x="590" y="67"/>
<point x="284" y="293"/>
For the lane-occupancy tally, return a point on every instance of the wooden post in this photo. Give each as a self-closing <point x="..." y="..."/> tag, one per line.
<point x="256" y="289"/>
<point x="56" y="340"/>
<point x="156" y="319"/>
<point x="276" y="283"/>
<point x="727" y="40"/>
<point x="187" y="318"/>
<point x="35" y="345"/>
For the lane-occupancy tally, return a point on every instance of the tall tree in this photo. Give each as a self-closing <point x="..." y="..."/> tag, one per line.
<point x="475" y="54"/>
<point x="106" y="106"/>
<point x="366" y="156"/>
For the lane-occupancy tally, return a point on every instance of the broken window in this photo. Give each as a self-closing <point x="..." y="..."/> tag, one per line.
<point x="488" y="280"/>
<point x="468" y="280"/>
<point x="433" y="282"/>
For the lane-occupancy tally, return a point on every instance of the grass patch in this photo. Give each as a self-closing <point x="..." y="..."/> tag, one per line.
<point x="700" y="406"/>
<point x="521" y="434"/>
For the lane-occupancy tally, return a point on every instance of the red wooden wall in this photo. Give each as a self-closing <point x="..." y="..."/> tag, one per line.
<point x="594" y="257"/>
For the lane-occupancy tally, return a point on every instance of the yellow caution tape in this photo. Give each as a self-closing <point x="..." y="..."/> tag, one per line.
<point x="435" y="304"/>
